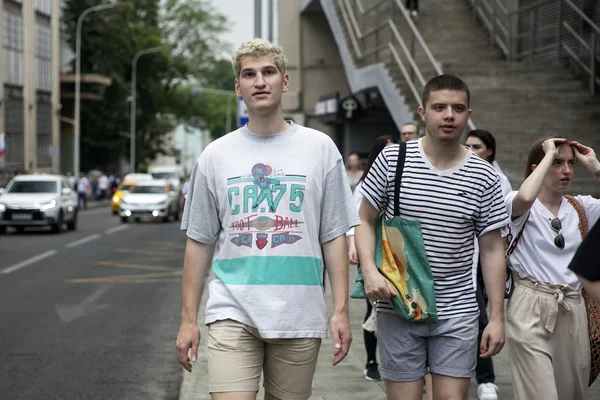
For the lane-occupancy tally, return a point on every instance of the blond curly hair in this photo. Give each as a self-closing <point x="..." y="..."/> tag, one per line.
<point x="258" y="48"/>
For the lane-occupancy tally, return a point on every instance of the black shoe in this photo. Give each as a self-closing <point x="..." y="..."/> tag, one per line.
<point x="372" y="372"/>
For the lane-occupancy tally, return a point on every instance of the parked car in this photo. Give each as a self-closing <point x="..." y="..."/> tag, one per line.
<point x="155" y="199"/>
<point x="38" y="200"/>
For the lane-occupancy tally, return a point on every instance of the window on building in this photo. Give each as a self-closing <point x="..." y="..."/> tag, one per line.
<point x="12" y="47"/>
<point x="13" y="127"/>
<point x="43" y="56"/>
<point x="44" y="132"/>
<point x="44" y="6"/>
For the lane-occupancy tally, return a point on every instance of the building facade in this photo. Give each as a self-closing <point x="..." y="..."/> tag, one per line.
<point x="320" y="92"/>
<point x="30" y="90"/>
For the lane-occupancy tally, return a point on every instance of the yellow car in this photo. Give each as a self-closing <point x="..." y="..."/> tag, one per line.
<point x="124" y="188"/>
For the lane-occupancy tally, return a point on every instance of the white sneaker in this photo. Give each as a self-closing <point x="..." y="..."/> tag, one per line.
<point x="487" y="391"/>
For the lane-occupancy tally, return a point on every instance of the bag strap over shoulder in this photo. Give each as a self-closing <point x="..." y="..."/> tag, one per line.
<point x="398" y="178"/>
<point x="513" y="245"/>
<point x="583" y="222"/>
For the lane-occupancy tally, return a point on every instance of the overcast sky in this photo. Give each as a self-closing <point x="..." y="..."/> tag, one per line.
<point x="241" y="17"/>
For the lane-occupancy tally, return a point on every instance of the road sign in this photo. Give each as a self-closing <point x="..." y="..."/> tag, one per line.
<point x="2" y="150"/>
<point x="2" y="144"/>
<point x="242" y="113"/>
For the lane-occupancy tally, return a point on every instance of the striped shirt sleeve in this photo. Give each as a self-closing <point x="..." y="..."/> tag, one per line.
<point x="492" y="213"/>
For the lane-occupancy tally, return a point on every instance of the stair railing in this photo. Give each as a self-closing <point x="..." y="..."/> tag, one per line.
<point x="372" y="46"/>
<point x="499" y="22"/>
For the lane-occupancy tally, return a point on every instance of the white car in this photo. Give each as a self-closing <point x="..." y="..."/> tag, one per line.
<point x="38" y="200"/>
<point x="155" y="199"/>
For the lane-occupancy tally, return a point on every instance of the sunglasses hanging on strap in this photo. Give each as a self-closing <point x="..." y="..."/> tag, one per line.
<point x="509" y="284"/>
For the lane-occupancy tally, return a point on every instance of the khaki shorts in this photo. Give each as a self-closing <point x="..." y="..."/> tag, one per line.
<point x="237" y="356"/>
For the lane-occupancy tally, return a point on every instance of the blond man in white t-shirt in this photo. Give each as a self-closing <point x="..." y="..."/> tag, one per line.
<point x="546" y="316"/>
<point x="267" y="208"/>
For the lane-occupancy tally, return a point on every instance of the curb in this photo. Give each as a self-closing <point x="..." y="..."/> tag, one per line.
<point x="96" y="204"/>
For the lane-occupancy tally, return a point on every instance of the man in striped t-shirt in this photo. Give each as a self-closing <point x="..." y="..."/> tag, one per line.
<point x="454" y="194"/>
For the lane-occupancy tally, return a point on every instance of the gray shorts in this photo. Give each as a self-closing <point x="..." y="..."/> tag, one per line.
<point x="447" y="347"/>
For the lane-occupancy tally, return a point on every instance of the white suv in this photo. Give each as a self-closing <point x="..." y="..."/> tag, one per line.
<point x="38" y="200"/>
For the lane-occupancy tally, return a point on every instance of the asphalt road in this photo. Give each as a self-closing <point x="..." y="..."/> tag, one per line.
<point x="91" y="314"/>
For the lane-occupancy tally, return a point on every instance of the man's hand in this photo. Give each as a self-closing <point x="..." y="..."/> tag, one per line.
<point x="377" y="287"/>
<point x="342" y="336"/>
<point x="492" y="340"/>
<point x="352" y="253"/>
<point x="188" y="338"/>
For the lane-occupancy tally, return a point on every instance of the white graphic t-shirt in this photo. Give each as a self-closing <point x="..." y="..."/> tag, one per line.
<point x="268" y="202"/>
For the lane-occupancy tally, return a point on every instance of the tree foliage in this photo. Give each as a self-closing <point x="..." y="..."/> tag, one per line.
<point x="188" y="32"/>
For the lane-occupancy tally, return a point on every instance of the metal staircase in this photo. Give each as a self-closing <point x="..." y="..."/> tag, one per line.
<point x="381" y="46"/>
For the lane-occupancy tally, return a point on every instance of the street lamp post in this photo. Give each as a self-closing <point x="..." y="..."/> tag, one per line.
<point x="77" y="123"/>
<point x="199" y="90"/>
<point x="132" y="142"/>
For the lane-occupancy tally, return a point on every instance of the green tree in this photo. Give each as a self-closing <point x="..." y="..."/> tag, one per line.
<point x="188" y="30"/>
<point x="206" y="110"/>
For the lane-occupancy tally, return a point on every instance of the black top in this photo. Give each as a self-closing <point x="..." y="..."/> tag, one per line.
<point x="586" y="262"/>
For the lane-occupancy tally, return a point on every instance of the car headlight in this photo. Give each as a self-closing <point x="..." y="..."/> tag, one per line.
<point x="2" y="207"/>
<point x="116" y="199"/>
<point x="48" y="206"/>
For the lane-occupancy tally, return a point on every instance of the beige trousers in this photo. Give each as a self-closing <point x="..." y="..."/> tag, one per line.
<point x="547" y="335"/>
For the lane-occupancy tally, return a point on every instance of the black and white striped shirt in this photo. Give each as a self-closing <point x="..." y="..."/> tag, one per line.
<point x="452" y="206"/>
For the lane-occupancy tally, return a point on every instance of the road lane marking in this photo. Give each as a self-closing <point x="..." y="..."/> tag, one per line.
<point x="82" y="241"/>
<point x="135" y="278"/>
<point x="30" y="261"/>
<point x="160" y="254"/>
<point x="116" y="229"/>
<point x="121" y="264"/>
<point x="102" y="280"/>
<point x="162" y="243"/>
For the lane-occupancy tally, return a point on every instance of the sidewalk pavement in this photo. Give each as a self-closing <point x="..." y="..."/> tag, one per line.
<point x="92" y="204"/>
<point x="346" y="380"/>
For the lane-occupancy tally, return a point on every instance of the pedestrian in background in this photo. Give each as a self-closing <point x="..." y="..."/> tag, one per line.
<point x="483" y="143"/>
<point x="354" y="170"/>
<point x="83" y="186"/>
<point x="409" y="131"/>
<point x="413" y="7"/>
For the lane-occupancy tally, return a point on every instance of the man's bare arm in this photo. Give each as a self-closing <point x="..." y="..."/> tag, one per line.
<point x="377" y="287"/>
<point x="336" y="260"/>
<point x="198" y="257"/>
<point x="493" y="266"/>
<point x="365" y="235"/>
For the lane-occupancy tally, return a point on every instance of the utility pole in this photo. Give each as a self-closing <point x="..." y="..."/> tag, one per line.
<point x="257" y="18"/>
<point x="270" y="21"/>
<point x="132" y="116"/>
<point x="77" y="120"/>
